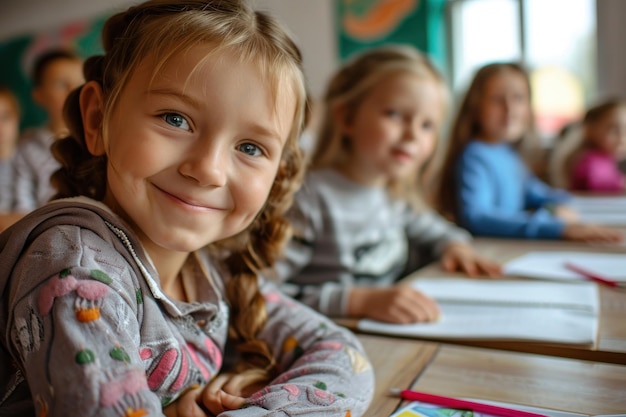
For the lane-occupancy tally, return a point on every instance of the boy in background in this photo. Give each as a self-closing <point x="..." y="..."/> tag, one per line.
<point x="9" y="132"/>
<point x="55" y="74"/>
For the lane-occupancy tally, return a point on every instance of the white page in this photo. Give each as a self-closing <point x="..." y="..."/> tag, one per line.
<point x="551" y="265"/>
<point x="603" y="218"/>
<point x="598" y="204"/>
<point x="540" y="410"/>
<point x="600" y="210"/>
<point x="579" y="295"/>
<point x="421" y="409"/>
<point x="555" y="312"/>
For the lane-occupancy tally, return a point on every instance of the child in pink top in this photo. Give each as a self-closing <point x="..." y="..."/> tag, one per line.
<point x="594" y="166"/>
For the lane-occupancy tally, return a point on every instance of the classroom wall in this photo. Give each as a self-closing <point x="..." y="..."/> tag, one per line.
<point x="611" y="56"/>
<point x="312" y="24"/>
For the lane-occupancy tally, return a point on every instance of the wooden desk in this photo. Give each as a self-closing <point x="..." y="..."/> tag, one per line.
<point x="396" y="362"/>
<point x="610" y="346"/>
<point x="520" y="378"/>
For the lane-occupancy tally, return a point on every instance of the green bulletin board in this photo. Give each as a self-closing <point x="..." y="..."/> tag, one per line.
<point x="366" y="23"/>
<point x="18" y="54"/>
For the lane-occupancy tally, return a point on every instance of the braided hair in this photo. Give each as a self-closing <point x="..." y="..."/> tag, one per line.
<point x="160" y="29"/>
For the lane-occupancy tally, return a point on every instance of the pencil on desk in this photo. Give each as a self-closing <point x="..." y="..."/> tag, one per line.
<point x="593" y="276"/>
<point x="457" y="403"/>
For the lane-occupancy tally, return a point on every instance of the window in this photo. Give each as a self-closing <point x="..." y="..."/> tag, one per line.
<point x="555" y="39"/>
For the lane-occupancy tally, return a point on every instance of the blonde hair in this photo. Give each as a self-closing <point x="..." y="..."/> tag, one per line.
<point x="466" y="126"/>
<point x="159" y="29"/>
<point x="347" y="90"/>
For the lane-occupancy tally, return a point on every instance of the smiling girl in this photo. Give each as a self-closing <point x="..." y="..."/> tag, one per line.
<point x="138" y="287"/>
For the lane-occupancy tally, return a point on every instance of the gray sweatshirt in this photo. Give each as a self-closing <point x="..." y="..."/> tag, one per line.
<point x="7" y="179"/>
<point x="34" y="164"/>
<point x="87" y="330"/>
<point x="347" y="234"/>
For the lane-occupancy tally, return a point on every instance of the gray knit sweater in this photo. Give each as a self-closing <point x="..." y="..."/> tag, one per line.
<point x="347" y="234"/>
<point x="87" y="331"/>
<point x="34" y="164"/>
<point x="7" y="179"/>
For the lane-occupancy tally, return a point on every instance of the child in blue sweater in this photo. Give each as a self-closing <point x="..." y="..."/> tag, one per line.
<point x="485" y="184"/>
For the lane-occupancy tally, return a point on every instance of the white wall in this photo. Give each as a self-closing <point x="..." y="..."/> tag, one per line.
<point x="611" y="49"/>
<point x="19" y="17"/>
<point x="310" y="21"/>
<point x="312" y="24"/>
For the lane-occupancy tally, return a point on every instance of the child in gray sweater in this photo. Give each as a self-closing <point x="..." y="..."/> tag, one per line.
<point x="136" y="291"/>
<point x="359" y="221"/>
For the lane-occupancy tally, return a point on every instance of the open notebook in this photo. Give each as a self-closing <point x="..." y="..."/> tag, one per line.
<point x="600" y="210"/>
<point x="504" y="310"/>
<point x="552" y="265"/>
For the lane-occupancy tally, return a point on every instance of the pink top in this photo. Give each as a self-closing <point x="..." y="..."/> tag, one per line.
<point x="596" y="171"/>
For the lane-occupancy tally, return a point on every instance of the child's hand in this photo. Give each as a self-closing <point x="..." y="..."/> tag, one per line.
<point x="592" y="233"/>
<point x="186" y="405"/>
<point x="225" y="392"/>
<point x="400" y="303"/>
<point x="228" y="391"/>
<point x="565" y="213"/>
<point x="461" y="257"/>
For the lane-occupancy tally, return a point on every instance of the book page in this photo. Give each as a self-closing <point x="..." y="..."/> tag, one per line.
<point x="600" y="210"/>
<point x="598" y="204"/>
<point x="603" y="218"/>
<point x="421" y="409"/>
<point x="504" y="310"/>
<point x="551" y="265"/>
<point x="575" y="295"/>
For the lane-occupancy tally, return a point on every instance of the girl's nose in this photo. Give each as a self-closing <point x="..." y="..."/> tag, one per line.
<point x="408" y="129"/>
<point x="207" y="165"/>
<point x="508" y="104"/>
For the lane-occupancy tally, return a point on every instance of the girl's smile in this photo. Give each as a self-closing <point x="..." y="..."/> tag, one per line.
<point x="192" y="154"/>
<point x="404" y="156"/>
<point x="189" y="203"/>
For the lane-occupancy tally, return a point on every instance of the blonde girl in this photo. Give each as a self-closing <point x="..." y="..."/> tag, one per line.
<point x="138" y="287"/>
<point x="593" y="166"/>
<point x="485" y="184"/>
<point x="360" y="223"/>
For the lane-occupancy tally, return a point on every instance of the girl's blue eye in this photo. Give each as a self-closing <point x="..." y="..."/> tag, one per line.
<point x="176" y="120"/>
<point x="393" y="113"/>
<point x="250" y="149"/>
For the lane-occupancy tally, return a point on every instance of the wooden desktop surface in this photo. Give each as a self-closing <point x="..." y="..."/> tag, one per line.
<point x="397" y="363"/>
<point x="611" y="343"/>
<point x="563" y="384"/>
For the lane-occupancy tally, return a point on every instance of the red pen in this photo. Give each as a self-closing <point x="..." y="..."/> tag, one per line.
<point x="456" y="403"/>
<point x="593" y="276"/>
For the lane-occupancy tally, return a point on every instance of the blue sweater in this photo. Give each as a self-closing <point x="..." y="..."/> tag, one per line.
<point x="499" y="196"/>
